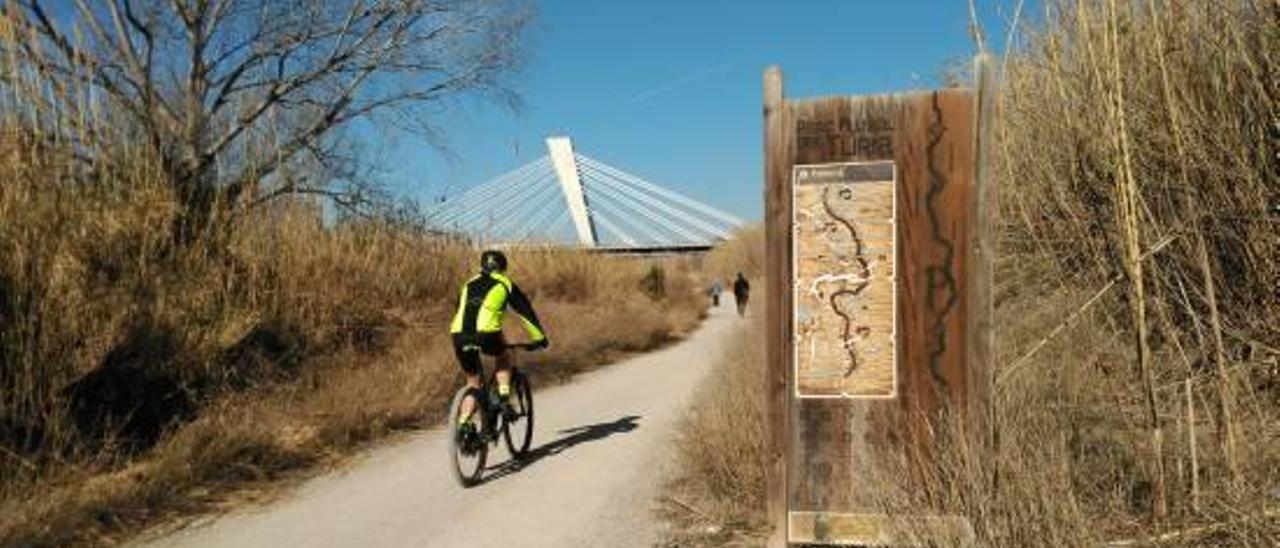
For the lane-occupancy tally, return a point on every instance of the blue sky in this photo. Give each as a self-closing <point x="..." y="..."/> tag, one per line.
<point x="671" y="90"/>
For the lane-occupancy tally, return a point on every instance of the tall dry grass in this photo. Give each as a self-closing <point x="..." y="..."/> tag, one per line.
<point x="717" y="494"/>
<point x="1137" y="159"/>
<point x="216" y="369"/>
<point x="1138" y="291"/>
<point x="743" y="252"/>
<point x="143" y="375"/>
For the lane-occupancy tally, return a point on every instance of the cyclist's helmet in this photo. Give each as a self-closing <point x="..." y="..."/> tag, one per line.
<point x="493" y="261"/>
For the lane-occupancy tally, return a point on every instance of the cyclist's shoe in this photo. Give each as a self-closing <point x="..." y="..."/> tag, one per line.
<point x="509" y="412"/>
<point x="468" y="438"/>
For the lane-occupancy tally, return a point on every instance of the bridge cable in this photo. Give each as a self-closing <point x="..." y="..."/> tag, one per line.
<point x="621" y="218"/>
<point x="537" y="207"/>
<point x="621" y="212"/>
<point x="566" y="224"/>
<point x="484" y="189"/>
<point x="509" y="190"/>
<point x="516" y="194"/>
<point x="538" y="220"/>
<point x="707" y="229"/>
<point x="540" y="229"/>
<point x="531" y="170"/>
<point x="546" y="223"/>
<point x="498" y="214"/>
<point x="486" y="193"/>
<point x="685" y="200"/>
<point x="608" y="225"/>
<point x="527" y="208"/>
<point x="613" y="207"/>
<point x="671" y="222"/>
<point x="657" y="217"/>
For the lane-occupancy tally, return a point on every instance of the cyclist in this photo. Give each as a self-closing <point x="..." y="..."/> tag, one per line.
<point x="477" y="326"/>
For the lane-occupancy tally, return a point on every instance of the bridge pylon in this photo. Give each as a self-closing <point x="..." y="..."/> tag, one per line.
<point x="566" y="165"/>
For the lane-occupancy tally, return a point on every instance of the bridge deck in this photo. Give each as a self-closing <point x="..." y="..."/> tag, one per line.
<point x="652" y="250"/>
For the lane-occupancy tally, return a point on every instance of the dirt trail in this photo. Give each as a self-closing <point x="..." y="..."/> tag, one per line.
<point x="601" y="444"/>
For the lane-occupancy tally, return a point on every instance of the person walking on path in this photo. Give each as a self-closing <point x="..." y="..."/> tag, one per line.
<point x="715" y="291"/>
<point x="741" y="292"/>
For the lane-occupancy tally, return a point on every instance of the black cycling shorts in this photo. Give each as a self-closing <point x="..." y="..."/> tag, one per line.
<point x="467" y="347"/>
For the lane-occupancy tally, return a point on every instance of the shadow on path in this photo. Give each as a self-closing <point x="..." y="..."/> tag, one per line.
<point x="571" y="437"/>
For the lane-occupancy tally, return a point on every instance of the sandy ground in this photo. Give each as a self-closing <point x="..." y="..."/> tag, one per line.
<point x="601" y="444"/>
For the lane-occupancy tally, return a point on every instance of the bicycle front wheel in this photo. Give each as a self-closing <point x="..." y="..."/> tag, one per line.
<point x="518" y="430"/>
<point x="467" y="449"/>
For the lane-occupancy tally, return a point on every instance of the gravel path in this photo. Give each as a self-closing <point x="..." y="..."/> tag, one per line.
<point x="601" y="444"/>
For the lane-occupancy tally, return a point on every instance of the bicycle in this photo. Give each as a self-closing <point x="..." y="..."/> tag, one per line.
<point x="469" y="452"/>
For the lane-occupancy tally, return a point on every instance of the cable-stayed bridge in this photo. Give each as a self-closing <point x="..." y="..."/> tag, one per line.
<point x="568" y="199"/>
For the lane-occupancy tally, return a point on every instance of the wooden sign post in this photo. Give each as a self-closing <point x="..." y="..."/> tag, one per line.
<point x="879" y="250"/>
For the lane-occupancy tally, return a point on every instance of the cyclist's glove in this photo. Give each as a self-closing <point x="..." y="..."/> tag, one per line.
<point x="545" y="342"/>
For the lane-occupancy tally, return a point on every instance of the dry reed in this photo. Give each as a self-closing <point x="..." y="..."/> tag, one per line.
<point x="144" y="375"/>
<point x="742" y="253"/>
<point x="717" y="494"/>
<point x="1138" y="290"/>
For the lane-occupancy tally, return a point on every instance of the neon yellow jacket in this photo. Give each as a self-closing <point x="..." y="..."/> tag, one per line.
<point x="484" y="300"/>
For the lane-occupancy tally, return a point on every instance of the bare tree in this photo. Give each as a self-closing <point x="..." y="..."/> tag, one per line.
<point x="233" y="94"/>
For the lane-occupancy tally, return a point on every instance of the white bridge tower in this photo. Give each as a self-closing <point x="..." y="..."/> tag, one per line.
<point x="566" y="166"/>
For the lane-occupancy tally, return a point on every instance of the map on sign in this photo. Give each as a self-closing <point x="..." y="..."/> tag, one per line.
<point x="843" y="246"/>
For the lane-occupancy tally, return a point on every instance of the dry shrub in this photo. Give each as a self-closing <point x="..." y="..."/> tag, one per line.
<point x="742" y="252"/>
<point x="302" y="343"/>
<point x="159" y="351"/>
<point x="1137" y="163"/>
<point x="1137" y="306"/>
<point x="143" y="376"/>
<point x="1171" y="106"/>
<point x="721" y="450"/>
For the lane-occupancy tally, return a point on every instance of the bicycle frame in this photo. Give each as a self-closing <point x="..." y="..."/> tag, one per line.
<point x="489" y="430"/>
<point x="480" y="395"/>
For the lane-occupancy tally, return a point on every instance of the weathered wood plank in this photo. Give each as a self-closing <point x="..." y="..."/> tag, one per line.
<point x="827" y="449"/>
<point x="982" y="251"/>
<point x="934" y="150"/>
<point x="778" y="147"/>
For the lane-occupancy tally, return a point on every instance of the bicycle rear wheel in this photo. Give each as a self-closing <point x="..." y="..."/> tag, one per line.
<point x="518" y="429"/>
<point x="467" y="452"/>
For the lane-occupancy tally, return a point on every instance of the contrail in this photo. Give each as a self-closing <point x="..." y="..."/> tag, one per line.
<point x="684" y="81"/>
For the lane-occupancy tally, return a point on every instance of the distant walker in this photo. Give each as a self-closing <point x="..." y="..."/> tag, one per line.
<point x="741" y="292"/>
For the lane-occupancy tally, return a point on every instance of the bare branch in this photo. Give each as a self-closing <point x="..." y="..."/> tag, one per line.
<point x="233" y="93"/>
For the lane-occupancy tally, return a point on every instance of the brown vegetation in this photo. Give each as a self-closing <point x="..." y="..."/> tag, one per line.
<point x="208" y="369"/>
<point x="293" y="344"/>
<point x="178" y="323"/>
<point x="742" y="252"/>
<point x="1137" y="159"/>
<point x="717" y="495"/>
<point x="1137" y="297"/>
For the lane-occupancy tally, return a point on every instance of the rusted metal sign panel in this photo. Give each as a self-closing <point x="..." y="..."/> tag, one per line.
<point x="876" y="272"/>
